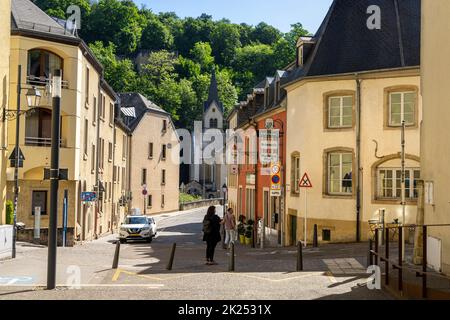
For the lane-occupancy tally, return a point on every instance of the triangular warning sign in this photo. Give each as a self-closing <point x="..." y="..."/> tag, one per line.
<point x="305" y="182"/>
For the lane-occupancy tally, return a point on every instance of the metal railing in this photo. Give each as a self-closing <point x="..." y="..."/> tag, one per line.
<point x="44" y="82"/>
<point x="42" y="142"/>
<point x="376" y="257"/>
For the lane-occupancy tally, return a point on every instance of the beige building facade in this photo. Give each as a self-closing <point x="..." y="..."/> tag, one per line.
<point x="435" y="137"/>
<point x="233" y="177"/>
<point x="345" y="126"/>
<point x="154" y="157"/>
<point x="328" y="156"/>
<point x="4" y="97"/>
<point x="87" y="128"/>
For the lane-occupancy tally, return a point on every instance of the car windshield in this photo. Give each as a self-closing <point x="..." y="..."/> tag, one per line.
<point x="136" y="220"/>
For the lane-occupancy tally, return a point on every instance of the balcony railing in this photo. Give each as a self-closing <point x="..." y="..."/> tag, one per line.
<point x="42" y="142"/>
<point x="44" y="82"/>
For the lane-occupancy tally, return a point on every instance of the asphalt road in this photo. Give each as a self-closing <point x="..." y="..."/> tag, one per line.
<point x="84" y="272"/>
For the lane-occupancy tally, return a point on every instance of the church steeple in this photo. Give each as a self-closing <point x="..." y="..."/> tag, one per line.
<point x="213" y="95"/>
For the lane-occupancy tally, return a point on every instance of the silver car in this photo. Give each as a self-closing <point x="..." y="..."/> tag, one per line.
<point x="138" y="228"/>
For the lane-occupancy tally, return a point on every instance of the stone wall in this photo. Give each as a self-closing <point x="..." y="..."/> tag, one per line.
<point x="200" y="204"/>
<point x="27" y="235"/>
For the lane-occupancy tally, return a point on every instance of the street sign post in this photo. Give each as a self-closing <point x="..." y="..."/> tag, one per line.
<point x="306" y="184"/>
<point x="88" y="196"/>
<point x="37" y="223"/>
<point x="145" y="193"/>
<point x="275" y="181"/>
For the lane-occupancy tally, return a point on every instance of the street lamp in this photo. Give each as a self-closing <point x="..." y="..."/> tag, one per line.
<point x="33" y="100"/>
<point x="33" y="97"/>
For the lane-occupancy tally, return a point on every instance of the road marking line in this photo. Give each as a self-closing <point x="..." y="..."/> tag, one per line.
<point x="119" y="271"/>
<point x="307" y="275"/>
<point x="331" y="277"/>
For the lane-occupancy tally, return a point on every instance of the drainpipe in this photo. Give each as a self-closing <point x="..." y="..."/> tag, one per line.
<point x="358" y="158"/>
<point x="97" y="161"/>
<point x="254" y="124"/>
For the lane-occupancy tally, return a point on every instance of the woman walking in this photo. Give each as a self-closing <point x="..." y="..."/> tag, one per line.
<point x="230" y="227"/>
<point x="211" y="234"/>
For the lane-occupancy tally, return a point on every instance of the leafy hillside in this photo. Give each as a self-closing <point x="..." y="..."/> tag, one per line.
<point x="177" y="55"/>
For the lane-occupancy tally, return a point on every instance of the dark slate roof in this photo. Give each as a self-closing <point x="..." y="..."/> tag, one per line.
<point x="344" y="43"/>
<point x="28" y="20"/>
<point x="25" y="15"/>
<point x="213" y="94"/>
<point x="142" y="106"/>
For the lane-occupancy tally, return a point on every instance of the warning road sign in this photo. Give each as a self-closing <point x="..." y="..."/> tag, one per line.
<point x="305" y="182"/>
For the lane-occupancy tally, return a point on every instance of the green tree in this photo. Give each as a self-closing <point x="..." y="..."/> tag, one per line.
<point x="225" y="40"/>
<point x="156" y="36"/>
<point x="266" y="34"/>
<point x="257" y="58"/>
<point x="115" y="21"/>
<point x="119" y="74"/>
<point x="296" y="32"/>
<point x="202" y="54"/>
<point x="58" y="8"/>
<point x="160" y="66"/>
<point x="194" y="30"/>
<point x="284" y="54"/>
<point x="246" y="32"/>
<point x="227" y="91"/>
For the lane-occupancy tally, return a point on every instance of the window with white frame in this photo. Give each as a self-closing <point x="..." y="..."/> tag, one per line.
<point x="340" y="175"/>
<point x="340" y="112"/>
<point x="390" y="183"/>
<point x="402" y="108"/>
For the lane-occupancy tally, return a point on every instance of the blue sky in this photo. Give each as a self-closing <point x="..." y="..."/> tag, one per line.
<point x="279" y="13"/>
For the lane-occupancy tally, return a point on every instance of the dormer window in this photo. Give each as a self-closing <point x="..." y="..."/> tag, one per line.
<point x="266" y="97"/>
<point x="300" y="55"/>
<point x="277" y="90"/>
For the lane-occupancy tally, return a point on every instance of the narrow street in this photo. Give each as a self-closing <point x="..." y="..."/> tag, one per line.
<point x="331" y="272"/>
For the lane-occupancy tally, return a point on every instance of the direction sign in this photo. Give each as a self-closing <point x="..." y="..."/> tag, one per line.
<point x="305" y="182"/>
<point x="88" y="196"/>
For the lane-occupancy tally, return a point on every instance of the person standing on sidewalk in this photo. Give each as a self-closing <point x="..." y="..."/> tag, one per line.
<point x="211" y="234"/>
<point x="230" y="227"/>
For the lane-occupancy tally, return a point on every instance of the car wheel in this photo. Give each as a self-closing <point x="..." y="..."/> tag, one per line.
<point x="122" y="241"/>
<point x="149" y="240"/>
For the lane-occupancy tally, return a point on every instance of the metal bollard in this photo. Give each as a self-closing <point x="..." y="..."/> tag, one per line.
<point x="172" y="257"/>
<point x="116" y="256"/>
<point x="316" y="237"/>
<point x="370" y="255"/>
<point x="299" y="256"/>
<point x="232" y="259"/>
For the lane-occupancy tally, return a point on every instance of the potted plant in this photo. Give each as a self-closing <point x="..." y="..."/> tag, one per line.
<point x="241" y="232"/>
<point x="249" y="232"/>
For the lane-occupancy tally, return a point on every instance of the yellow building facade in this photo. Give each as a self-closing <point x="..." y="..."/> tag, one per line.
<point x="333" y="207"/>
<point x="154" y="157"/>
<point x="345" y="110"/>
<point x="88" y="129"/>
<point x="435" y="137"/>
<point x="4" y="95"/>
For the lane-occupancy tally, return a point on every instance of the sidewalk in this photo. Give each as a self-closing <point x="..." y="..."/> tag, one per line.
<point x="330" y="272"/>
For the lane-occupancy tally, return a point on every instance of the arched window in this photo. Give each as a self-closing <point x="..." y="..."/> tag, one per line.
<point x="41" y="65"/>
<point x="388" y="178"/>
<point x="213" y="123"/>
